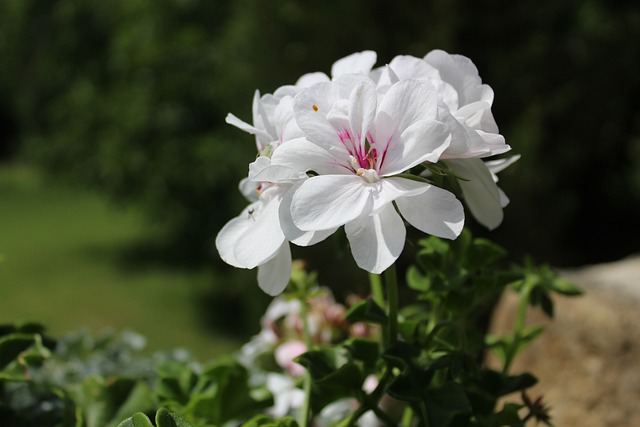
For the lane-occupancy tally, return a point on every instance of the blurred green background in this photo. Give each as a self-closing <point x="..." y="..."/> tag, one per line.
<point x="117" y="169"/>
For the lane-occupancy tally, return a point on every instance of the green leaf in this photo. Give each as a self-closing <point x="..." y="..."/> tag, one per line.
<point x="330" y="368"/>
<point x="498" y="384"/>
<point x="137" y="420"/>
<point x="266" y="421"/>
<point x="508" y="416"/>
<point x="12" y="345"/>
<point x="444" y="403"/>
<point x="175" y="381"/>
<point x="565" y="287"/>
<point x="365" y="350"/>
<point x="529" y="334"/>
<point x="223" y="394"/>
<point x="484" y="252"/>
<point x="366" y="311"/>
<point x="164" y="418"/>
<point x="416" y="280"/>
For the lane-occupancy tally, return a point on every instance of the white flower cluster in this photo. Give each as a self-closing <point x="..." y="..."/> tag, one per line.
<point x="344" y="151"/>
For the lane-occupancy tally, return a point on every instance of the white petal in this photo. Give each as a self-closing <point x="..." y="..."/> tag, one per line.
<point x="362" y="109"/>
<point x="293" y="233"/>
<point x="309" y="79"/>
<point x="407" y="102"/>
<point x="480" y="191"/>
<point x="376" y="240"/>
<point x="263" y="108"/>
<point x="411" y="68"/>
<point x="460" y="72"/>
<point x="286" y="126"/>
<point x="273" y="276"/>
<point x="390" y="189"/>
<point x="328" y="201"/>
<point x="424" y="141"/>
<point x="311" y="107"/>
<point x="227" y="237"/>
<point x="234" y="121"/>
<point x="303" y="155"/>
<point x="496" y="166"/>
<point x="262" y="238"/>
<point x="359" y="62"/>
<point x="406" y="129"/>
<point x="263" y="170"/>
<point x="504" y="200"/>
<point x="495" y="141"/>
<point x="435" y="211"/>
<point x="465" y="142"/>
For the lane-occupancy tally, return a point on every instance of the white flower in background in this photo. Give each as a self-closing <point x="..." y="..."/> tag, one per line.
<point x="287" y="397"/>
<point x="285" y="354"/>
<point x="359" y="148"/>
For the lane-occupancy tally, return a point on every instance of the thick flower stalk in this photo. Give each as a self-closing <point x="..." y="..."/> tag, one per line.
<point x="358" y="149"/>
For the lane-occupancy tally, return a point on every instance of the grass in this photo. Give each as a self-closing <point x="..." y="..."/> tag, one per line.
<point x="61" y="264"/>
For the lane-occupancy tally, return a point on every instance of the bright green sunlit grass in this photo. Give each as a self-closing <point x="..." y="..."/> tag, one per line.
<point x="60" y="252"/>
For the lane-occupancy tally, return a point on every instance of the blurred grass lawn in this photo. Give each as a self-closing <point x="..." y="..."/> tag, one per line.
<point x="61" y="252"/>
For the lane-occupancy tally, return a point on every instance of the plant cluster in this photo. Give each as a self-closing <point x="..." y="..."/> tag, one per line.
<point x="314" y="362"/>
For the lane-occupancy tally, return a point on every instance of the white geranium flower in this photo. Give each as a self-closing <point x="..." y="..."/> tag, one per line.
<point x="358" y="149"/>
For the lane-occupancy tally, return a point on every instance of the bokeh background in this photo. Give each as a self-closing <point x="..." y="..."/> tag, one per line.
<point x="117" y="169"/>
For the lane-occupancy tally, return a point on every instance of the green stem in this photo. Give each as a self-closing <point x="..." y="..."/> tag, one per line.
<point x="407" y="417"/>
<point x="305" y="412"/>
<point x="392" y="301"/>
<point x="521" y="317"/>
<point x="376" y="289"/>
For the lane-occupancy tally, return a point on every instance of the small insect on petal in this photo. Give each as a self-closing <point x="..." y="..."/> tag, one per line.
<point x="315" y="107"/>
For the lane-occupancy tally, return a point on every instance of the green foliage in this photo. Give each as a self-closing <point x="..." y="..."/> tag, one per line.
<point x="81" y="382"/>
<point x="433" y="369"/>
<point x="266" y="421"/>
<point x="164" y="418"/>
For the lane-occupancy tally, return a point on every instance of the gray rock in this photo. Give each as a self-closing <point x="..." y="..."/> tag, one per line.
<point x="588" y="359"/>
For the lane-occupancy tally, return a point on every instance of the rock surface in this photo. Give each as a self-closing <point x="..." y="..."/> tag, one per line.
<point x="588" y="359"/>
